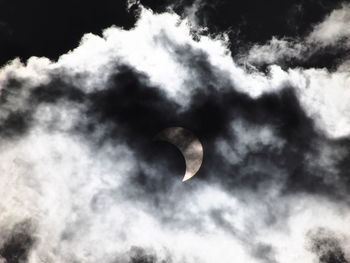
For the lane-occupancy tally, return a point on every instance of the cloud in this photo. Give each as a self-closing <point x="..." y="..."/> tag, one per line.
<point x="327" y="246"/>
<point x="326" y="40"/>
<point x="319" y="89"/>
<point x="83" y="181"/>
<point x="333" y="29"/>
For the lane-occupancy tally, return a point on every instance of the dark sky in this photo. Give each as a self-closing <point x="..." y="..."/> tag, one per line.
<point x="51" y="28"/>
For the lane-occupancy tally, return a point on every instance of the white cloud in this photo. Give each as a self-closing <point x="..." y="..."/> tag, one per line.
<point x="323" y="94"/>
<point x="334" y="28"/>
<point x="325" y="97"/>
<point x="76" y="194"/>
<point x="274" y="51"/>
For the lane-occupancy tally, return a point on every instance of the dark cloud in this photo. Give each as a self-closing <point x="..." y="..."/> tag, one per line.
<point x="139" y="255"/>
<point x="251" y="145"/>
<point x="327" y="246"/>
<point x="264" y="252"/>
<point x="16" y="247"/>
<point x="136" y="112"/>
<point x="131" y="110"/>
<point x="15" y="120"/>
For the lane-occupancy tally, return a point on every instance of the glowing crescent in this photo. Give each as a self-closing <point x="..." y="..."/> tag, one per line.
<point x="189" y="145"/>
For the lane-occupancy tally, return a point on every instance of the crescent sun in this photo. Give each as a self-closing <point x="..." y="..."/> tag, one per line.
<point x="188" y="144"/>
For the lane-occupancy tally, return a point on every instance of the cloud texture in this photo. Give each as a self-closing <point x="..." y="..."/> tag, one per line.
<point x="83" y="181"/>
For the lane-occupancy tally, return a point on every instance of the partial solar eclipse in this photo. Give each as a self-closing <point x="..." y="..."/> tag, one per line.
<point x="188" y="144"/>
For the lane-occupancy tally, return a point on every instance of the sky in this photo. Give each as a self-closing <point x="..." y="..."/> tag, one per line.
<point x="85" y="87"/>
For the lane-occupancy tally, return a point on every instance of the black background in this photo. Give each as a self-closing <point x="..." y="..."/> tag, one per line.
<point x="51" y="28"/>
